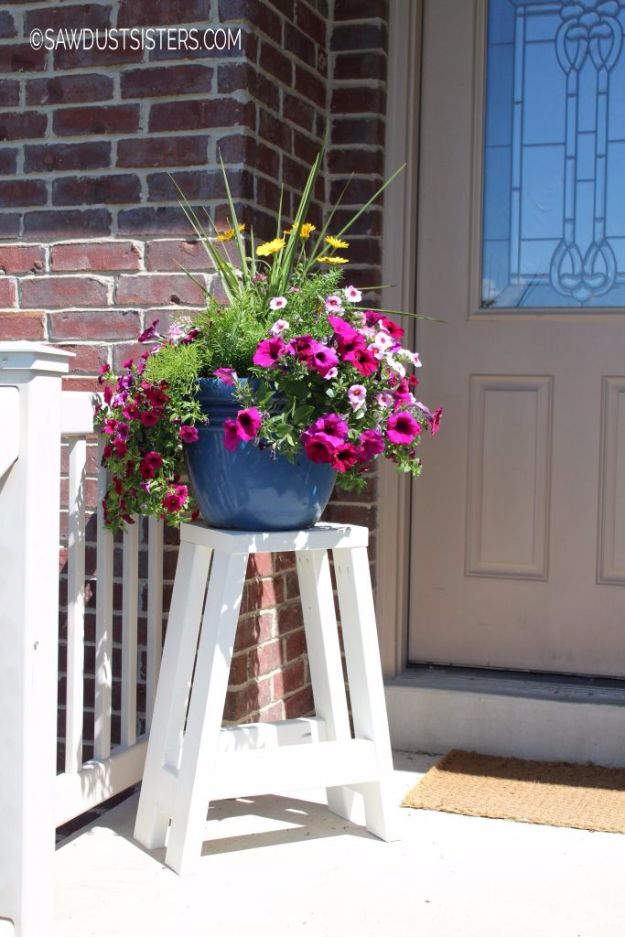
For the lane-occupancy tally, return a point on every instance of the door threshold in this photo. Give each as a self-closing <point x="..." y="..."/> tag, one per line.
<point x="547" y="717"/>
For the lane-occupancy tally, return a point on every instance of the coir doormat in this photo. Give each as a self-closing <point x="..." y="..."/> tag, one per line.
<point x="585" y="797"/>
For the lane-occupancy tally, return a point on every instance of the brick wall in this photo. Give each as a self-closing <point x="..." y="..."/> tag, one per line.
<point x="94" y="242"/>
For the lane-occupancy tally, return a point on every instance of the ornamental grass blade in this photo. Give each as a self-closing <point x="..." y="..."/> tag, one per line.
<point x="360" y="211"/>
<point x="286" y="262"/>
<point x="235" y="223"/>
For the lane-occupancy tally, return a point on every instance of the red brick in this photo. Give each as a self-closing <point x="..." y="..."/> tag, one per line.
<point x="275" y="63"/>
<point x="22" y="192"/>
<point x="21" y="325"/>
<point x="289" y="617"/>
<point x="274" y="130"/>
<point x="9" y="225"/>
<point x="87" y="358"/>
<point x="238" y="670"/>
<point x="289" y="679"/>
<point x="260" y="564"/>
<point x="358" y="100"/>
<point x="110" y="255"/>
<point x="8" y="160"/>
<point x="262" y="593"/>
<point x="8" y="293"/>
<point x="7" y="25"/>
<point x="266" y="659"/>
<point x="162" y="151"/>
<point x="346" y="161"/>
<point x="365" y="515"/>
<point x="56" y="292"/>
<point x="191" y="115"/>
<point x="9" y="93"/>
<point x="93" y="190"/>
<point x="69" y="89"/>
<point x="361" y="37"/>
<point x="50" y="157"/>
<point x="177" y="255"/>
<point x="254" y="629"/>
<point x="23" y="125"/>
<point x="299" y="704"/>
<point x="76" y="224"/>
<point x="295" y="645"/>
<point x="310" y="85"/>
<point x="150" y="289"/>
<point x="155" y="222"/>
<point x="110" y="324"/>
<point x="310" y="23"/>
<point x="21" y="258"/>
<point x="120" y="118"/>
<point x="241" y="704"/>
<point x="361" y="9"/>
<point x="21" y="58"/>
<point x="360" y="66"/>
<point x="132" y="13"/>
<point x="158" y="81"/>
<point x="65" y="59"/>
<point x="300" y="45"/>
<point x="298" y="111"/>
<point x="85" y="16"/>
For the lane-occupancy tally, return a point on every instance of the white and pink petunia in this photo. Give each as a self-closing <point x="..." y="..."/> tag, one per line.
<point x="357" y="396"/>
<point x="334" y="304"/>
<point x="279" y="326"/>
<point x="278" y="302"/>
<point x="352" y="294"/>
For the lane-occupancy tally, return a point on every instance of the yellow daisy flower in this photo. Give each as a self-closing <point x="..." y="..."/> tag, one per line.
<point x="305" y="230"/>
<point x="270" y="247"/>
<point x="332" y="260"/>
<point x="229" y="233"/>
<point x="335" y="242"/>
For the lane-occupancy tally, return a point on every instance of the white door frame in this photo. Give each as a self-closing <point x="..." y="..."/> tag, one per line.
<point x="399" y="269"/>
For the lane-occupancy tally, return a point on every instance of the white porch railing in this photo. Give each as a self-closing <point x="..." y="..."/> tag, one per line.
<point x="36" y="418"/>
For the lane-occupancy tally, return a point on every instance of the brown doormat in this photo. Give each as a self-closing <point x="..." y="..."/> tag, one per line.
<point x="585" y="797"/>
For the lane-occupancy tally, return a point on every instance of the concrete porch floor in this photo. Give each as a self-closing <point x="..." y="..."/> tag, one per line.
<point x="282" y="865"/>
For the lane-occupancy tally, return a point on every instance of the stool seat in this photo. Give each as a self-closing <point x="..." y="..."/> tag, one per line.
<point x="191" y="759"/>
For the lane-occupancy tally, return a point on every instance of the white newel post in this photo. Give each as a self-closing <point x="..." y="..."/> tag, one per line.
<point x="30" y="405"/>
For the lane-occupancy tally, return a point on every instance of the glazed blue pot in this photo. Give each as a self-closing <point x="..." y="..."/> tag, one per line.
<point x="250" y="489"/>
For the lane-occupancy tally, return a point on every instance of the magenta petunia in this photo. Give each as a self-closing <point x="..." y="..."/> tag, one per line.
<point x="363" y="360"/>
<point x="175" y="500"/>
<point x="231" y="436"/>
<point x="150" y="464"/>
<point x="127" y="363"/>
<point x="103" y="371"/>
<point x="188" y="434"/>
<point x="402" y="428"/>
<point x="150" y="333"/>
<point x="110" y="426"/>
<point x="149" y="418"/>
<point x="436" y="421"/>
<point x="371" y="444"/>
<point x="322" y="358"/>
<point x="248" y="423"/>
<point x="319" y="447"/>
<point x="226" y="376"/>
<point x="332" y="424"/>
<point x="131" y="410"/>
<point x="342" y="328"/>
<point x="123" y="431"/>
<point x="108" y="394"/>
<point x="345" y="457"/>
<point x="120" y="448"/>
<point x="269" y="352"/>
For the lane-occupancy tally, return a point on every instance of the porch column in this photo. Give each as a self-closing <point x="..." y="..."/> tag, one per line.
<point x="30" y="406"/>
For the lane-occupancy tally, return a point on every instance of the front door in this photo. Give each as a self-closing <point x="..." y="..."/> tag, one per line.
<point x="518" y="546"/>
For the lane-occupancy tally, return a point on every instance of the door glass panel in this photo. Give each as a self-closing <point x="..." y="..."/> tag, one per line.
<point x="554" y="158"/>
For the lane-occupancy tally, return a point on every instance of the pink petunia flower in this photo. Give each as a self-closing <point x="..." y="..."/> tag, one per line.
<point x="231" y="436"/>
<point x="150" y="333"/>
<point x="188" y="434"/>
<point x="402" y="428"/>
<point x="345" y="457"/>
<point x="332" y="424"/>
<point x="322" y="358"/>
<point x="436" y="421"/>
<point x="149" y="418"/>
<point x="131" y="410"/>
<point x="226" y="376"/>
<point x="127" y="364"/>
<point x="371" y="444"/>
<point x="248" y="423"/>
<point x="352" y="294"/>
<point x="319" y="447"/>
<point x="120" y="448"/>
<point x="385" y="400"/>
<point x="269" y="352"/>
<point x="110" y="426"/>
<point x="357" y="396"/>
<point x="363" y="360"/>
<point x="331" y="374"/>
<point x="344" y="329"/>
<point x="150" y="464"/>
<point x="175" y="500"/>
<point x="279" y="326"/>
<point x="123" y="431"/>
<point x="103" y="370"/>
<point x="278" y="302"/>
<point x="334" y="304"/>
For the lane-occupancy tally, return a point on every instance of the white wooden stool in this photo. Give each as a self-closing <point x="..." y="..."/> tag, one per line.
<point x="192" y="760"/>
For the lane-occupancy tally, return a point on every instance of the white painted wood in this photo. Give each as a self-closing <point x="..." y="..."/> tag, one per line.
<point x="10" y="423"/>
<point x="75" y="604"/>
<point x="324" y="658"/>
<point x="174" y="684"/>
<point x="201" y="743"/>
<point x="29" y="538"/>
<point x="296" y="767"/>
<point x="366" y="689"/>
<point x="155" y="612"/>
<point x="97" y="781"/>
<point x="104" y="628"/>
<point x="254" y="735"/>
<point x="77" y="413"/>
<point x="323" y="536"/>
<point x="611" y="552"/>
<point x="568" y="622"/>
<point x="129" y="633"/>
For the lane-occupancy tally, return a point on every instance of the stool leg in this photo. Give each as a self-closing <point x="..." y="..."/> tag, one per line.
<point x="174" y="682"/>
<point x="366" y="689"/>
<point x="201" y="740"/>
<point x="324" y="658"/>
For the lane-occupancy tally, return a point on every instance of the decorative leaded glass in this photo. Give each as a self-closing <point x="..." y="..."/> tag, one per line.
<point x="554" y="159"/>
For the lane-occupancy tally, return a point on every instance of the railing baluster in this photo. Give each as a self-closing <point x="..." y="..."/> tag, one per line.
<point x="129" y="634"/>
<point x="155" y="612"/>
<point x="75" y="605"/>
<point x="104" y="628"/>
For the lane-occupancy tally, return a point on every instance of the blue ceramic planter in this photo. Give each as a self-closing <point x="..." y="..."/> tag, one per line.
<point x="250" y="489"/>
